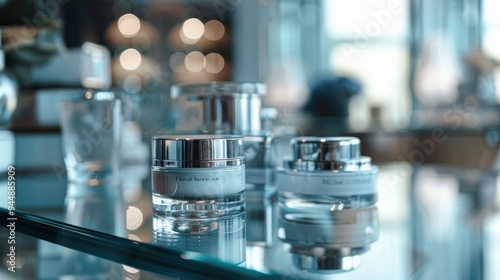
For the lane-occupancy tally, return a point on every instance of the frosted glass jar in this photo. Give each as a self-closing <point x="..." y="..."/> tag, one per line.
<point x="196" y="181"/>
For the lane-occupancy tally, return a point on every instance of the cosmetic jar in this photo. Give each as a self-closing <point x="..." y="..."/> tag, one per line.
<point x="329" y="242"/>
<point x="326" y="174"/>
<point x="219" y="107"/>
<point x="236" y="108"/>
<point x="196" y="181"/>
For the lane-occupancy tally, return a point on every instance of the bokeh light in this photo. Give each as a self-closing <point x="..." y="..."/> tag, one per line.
<point x="129" y="25"/>
<point x="195" y="61"/>
<point x="134" y="237"/>
<point x="130" y="59"/>
<point x="134" y="218"/>
<point x="193" y="29"/>
<point x="214" y="63"/>
<point x="130" y="269"/>
<point x="214" y="30"/>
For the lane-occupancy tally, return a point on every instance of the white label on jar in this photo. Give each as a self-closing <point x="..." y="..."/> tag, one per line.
<point x="328" y="183"/>
<point x="198" y="183"/>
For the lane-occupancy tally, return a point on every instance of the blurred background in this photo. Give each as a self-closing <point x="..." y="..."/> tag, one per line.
<point x="415" y="80"/>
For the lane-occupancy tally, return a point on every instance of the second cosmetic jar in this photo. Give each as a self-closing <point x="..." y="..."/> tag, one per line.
<point x="326" y="173"/>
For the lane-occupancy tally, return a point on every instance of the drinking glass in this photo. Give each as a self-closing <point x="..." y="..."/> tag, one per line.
<point x="91" y="135"/>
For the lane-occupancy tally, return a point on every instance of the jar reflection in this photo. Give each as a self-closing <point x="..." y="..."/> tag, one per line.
<point x="225" y="239"/>
<point x="101" y="208"/>
<point x="324" y="242"/>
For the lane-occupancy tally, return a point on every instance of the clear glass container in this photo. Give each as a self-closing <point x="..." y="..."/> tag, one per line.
<point x="197" y="181"/>
<point x="198" y="184"/>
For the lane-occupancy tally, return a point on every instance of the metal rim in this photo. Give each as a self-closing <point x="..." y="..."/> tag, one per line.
<point x="176" y="150"/>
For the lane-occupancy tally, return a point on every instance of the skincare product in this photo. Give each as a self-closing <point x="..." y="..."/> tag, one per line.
<point x="236" y="108"/>
<point x="198" y="184"/>
<point x="196" y="180"/>
<point x="326" y="174"/>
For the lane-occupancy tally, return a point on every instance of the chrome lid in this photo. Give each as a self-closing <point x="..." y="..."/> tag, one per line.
<point x="170" y="150"/>
<point x="219" y="107"/>
<point x="326" y="153"/>
<point x="325" y="148"/>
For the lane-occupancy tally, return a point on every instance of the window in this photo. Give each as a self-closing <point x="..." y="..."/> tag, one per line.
<point x="367" y="40"/>
<point x="491" y="36"/>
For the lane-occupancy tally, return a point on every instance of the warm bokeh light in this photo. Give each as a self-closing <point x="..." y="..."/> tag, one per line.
<point x="130" y="59"/>
<point x="134" y="237"/>
<point x="129" y="25"/>
<point x="195" y="61"/>
<point x="134" y="218"/>
<point x="193" y="29"/>
<point x="214" y="30"/>
<point x="214" y="63"/>
<point x="176" y="62"/>
<point x="130" y="269"/>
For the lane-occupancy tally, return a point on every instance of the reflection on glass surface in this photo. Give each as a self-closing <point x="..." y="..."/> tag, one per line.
<point x="321" y="243"/>
<point x="101" y="208"/>
<point x="449" y="208"/>
<point x="147" y="258"/>
<point x="225" y="239"/>
<point x="452" y="232"/>
<point x="261" y="224"/>
<point x="260" y="214"/>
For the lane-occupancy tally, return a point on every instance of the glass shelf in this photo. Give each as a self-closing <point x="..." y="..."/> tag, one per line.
<point x="430" y="222"/>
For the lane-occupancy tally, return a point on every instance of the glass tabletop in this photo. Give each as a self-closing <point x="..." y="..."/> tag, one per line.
<point x="429" y="222"/>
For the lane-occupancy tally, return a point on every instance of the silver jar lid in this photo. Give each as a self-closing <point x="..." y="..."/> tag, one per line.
<point x="201" y="150"/>
<point x="325" y="149"/>
<point x="327" y="153"/>
<point x="221" y="107"/>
